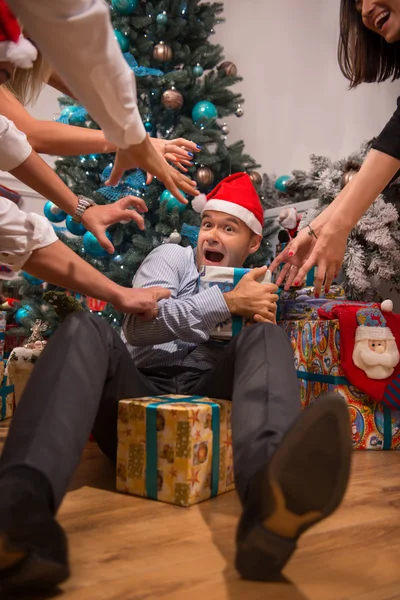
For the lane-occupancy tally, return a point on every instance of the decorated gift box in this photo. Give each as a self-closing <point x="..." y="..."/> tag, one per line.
<point x="354" y="355"/>
<point x="300" y="303"/>
<point x="3" y="315"/>
<point x="175" y="449"/>
<point x="226" y="278"/>
<point x="22" y="360"/>
<point x="6" y="395"/>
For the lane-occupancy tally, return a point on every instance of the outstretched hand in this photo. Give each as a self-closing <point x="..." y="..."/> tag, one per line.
<point x="141" y="302"/>
<point x="97" y="218"/>
<point x="147" y="158"/>
<point x="294" y="256"/>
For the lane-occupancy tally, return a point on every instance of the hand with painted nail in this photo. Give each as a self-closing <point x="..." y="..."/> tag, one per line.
<point x="179" y="152"/>
<point x="326" y="255"/>
<point x="146" y="157"/>
<point x="294" y="256"/>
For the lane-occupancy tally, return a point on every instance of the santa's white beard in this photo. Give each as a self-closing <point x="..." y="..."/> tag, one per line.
<point x="375" y="365"/>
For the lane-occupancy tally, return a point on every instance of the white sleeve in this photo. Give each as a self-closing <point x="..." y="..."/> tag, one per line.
<point x="78" y="39"/>
<point x="21" y="234"/>
<point x="14" y="147"/>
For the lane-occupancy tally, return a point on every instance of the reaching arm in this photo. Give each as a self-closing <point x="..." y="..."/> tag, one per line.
<point x="189" y="318"/>
<point x="49" y="137"/>
<point x="77" y="38"/>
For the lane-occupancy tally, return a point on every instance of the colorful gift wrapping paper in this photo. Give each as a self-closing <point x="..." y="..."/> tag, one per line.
<point x="316" y="347"/>
<point x="175" y="449"/>
<point x="6" y="395"/>
<point x="226" y="278"/>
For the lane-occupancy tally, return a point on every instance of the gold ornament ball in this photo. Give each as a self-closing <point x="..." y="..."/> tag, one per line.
<point x="347" y="177"/>
<point x="255" y="177"/>
<point x="204" y="176"/>
<point x="172" y="99"/>
<point x="162" y="52"/>
<point x="229" y="67"/>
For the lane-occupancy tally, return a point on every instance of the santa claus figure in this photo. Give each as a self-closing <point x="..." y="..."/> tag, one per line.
<point x="289" y="220"/>
<point x="375" y="350"/>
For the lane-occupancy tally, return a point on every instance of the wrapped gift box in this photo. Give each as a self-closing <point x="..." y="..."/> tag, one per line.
<point x="6" y="395"/>
<point x="226" y="278"/>
<point x="175" y="449"/>
<point x="3" y="315"/>
<point x="316" y="347"/>
<point x="13" y="339"/>
<point x="300" y="303"/>
<point x="20" y="365"/>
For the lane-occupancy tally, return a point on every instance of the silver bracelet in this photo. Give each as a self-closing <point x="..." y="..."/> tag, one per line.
<point x="83" y="204"/>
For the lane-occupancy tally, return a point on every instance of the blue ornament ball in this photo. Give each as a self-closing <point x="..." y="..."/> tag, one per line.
<point x="92" y="246"/>
<point x="162" y="18"/>
<point x="280" y="183"/>
<point x="124" y="7"/>
<point x="198" y="71"/>
<point x="122" y="40"/>
<point x="74" y="227"/>
<point x="172" y="202"/>
<point x="23" y="313"/>
<point x="31" y="279"/>
<point x="53" y="213"/>
<point x="204" y="114"/>
<point x="76" y="119"/>
<point x="148" y="125"/>
<point x="68" y="110"/>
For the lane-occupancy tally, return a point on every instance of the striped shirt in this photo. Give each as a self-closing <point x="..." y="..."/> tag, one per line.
<point x="179" y="336"/>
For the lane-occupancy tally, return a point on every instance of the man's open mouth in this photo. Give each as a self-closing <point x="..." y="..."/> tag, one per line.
<point x="214" y="257"/>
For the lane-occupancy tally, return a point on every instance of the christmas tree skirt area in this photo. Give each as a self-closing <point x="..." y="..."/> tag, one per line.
<point x="128" y="547"/>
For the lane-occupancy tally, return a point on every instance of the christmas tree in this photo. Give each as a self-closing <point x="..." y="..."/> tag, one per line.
<point x="184" y="90"/>
<point x="373" y="249"/>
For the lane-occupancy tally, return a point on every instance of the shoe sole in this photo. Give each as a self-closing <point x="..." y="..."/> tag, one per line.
<point x="262" y="554"/>
<point x="31" y="570"/>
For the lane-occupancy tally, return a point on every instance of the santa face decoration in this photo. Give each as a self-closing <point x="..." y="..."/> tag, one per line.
<point x="375" y="350"/>
<point x="378" y="358"/>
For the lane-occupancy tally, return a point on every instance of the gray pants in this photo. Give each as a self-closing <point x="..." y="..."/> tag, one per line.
<point x="86" y="369"/>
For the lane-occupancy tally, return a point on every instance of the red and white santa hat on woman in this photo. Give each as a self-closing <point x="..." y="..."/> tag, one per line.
<point x="235" y="196"/>
<point x="14" y="47"/>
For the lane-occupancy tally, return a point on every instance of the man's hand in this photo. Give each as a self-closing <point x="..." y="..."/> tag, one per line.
<point x="146" y="157"/>
<point x="142" y="302"/>
<point x="97" y="219"/>
<point x="251" y="298"/>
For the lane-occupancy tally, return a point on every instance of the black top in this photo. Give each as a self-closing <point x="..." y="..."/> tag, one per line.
<point x="388" y="141"/>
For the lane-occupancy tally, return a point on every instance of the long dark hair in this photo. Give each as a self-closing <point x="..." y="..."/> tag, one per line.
<point x="364" y="56"/>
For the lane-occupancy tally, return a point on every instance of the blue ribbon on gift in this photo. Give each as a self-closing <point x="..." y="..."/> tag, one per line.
<point x="151" y="441"/>
<point x="336" y="380"/>
<point x="4" y="391"/>
<point x="237" y="321"/>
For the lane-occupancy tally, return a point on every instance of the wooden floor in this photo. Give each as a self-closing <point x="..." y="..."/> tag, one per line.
<point x="126" y="548"/>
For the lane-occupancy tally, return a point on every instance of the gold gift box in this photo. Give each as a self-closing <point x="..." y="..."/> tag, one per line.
<point x="6" y="395"/>
<point x="186" y="443"/>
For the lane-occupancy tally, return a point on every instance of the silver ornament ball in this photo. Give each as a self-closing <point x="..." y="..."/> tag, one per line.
<point x="239" y="112"/>
<point x="175" y="237"/>
<point x="225" y="129"/>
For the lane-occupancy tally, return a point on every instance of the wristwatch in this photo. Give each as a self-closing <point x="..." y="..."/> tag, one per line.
<point x="83" y="204"/>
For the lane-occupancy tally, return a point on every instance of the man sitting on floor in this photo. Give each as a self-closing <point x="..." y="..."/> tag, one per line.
<point x="291" y="469"/>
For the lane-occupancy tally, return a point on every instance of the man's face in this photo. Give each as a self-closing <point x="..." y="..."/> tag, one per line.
<point x="224" y="240"/>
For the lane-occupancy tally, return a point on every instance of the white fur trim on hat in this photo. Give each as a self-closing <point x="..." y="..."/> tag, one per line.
<point x="235" y="210"/>
<point x="199" y="202"/>
<point x="22" y="54"/>
<point x="374" y="333"/>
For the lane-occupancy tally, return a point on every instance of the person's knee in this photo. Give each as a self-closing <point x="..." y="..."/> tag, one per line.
<point x="259" y="330"/>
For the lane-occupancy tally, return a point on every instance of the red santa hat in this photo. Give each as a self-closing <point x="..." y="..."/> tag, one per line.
<point x="14" y="48"/>
<point x="236" y="196"/>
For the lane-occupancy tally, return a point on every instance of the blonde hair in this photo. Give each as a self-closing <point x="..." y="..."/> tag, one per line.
<point x="26" y="84"/>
